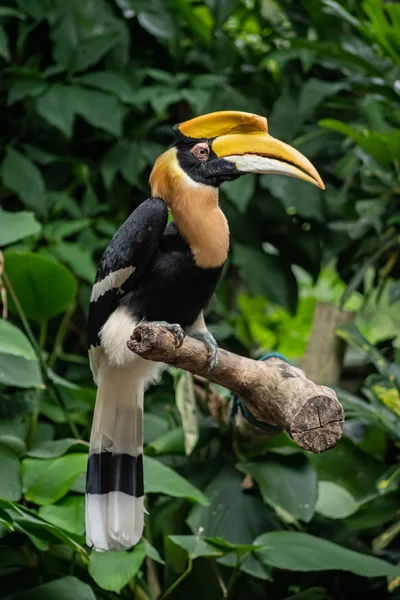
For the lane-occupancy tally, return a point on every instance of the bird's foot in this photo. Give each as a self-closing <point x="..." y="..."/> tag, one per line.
<point x="174" y="328"/>
<point x="212" y="347"/>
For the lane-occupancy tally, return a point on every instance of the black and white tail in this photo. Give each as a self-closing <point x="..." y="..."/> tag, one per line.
<point x="114" y="484"/>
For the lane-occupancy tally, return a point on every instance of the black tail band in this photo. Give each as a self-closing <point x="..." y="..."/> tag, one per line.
<point x="110" y="472"/>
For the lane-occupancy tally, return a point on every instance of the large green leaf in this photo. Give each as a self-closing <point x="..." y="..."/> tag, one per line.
<point x="112" y="571"/>
<point x="295" y="551"/>
<point x="44" y="287"/>
<point x="298" y="197"/>
<point x="68" y="514"/>
<point x="241" y="191"/>
<point x="97" y="108"/>
<point x="160" y="479"/>
<point x="10" y="477"/>
<point x="12" y="366"/>
<point x="13" y="341"/>
<point x="55" y="107"/>
<point x="334" y="501"/>
<point x="221" y="519"/>
<point x="314" y="92"/>
<point x="112" y="82"/>
<point x="16" y="226"/>
<point x="195" y="546"/>
<point x="265" y="275"/>
<point x="56" y="448"/>
<point x="289" y="485"/>
<point x="31" y="524"/>
<point x="20" y="175"/>
<point x="82" y="33"/>
<point x="384" y="146"/>
<point x="25" y="86"/>
<point x="46" y="481"/>
<point x="17" y="356"/>
<point x="61" y="589"/>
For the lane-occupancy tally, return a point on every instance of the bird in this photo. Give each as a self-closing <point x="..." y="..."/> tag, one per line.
<point x="163" y="271"/>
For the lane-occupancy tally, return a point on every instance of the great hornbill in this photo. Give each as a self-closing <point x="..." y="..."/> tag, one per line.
<point x="166" y="274"/>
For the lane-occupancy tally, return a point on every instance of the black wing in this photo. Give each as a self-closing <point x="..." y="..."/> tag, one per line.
<point x="124" y="259"/>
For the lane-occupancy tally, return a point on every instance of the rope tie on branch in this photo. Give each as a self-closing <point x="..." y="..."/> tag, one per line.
<point x="237" y="404"/>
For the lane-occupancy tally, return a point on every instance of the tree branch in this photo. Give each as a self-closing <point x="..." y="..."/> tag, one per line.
<point x="273" y="391"/>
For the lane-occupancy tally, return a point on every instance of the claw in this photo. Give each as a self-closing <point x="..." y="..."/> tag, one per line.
<point x="174" y="328"/>
<point x="212" y="347"/>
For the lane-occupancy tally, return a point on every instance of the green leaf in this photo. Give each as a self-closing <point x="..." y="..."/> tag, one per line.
<point x="60" y="229"/>
<point x="228" y="500"/>
<point x="314" y="92"/>
<point x="79" y="259"/>
<point x="334" y="501"/>
<point x="160" y="479"/>
<point x="56" y="448"/>
<point x="4" y="48"/>
<point x="31" y="524"/>
<point x="264" y="275"/>
<point x="195" y="546"/>
<point x="10" y="477"/>
<point x="76" y="43"/>
<point x="114" y="161"/>
<point x="44" y="287"/>
<point x="56" y="108"/>
<point x="62" y="589"/>
<point x="20" y="175"/>
<point x="97" y="108"/>
<point x="221" y="10"/>
<point x="23" y="86"/>
<point x="15" y="226"/>
<point x="68" y="514"/>
<point x="284" y="120"/>
<point x="240" y="191"/>
<point x="298" y="197"/>
<point x="186" y="402"/>
<point x="112" y="82"/>
<point x="13" y="341"/>
<point x="153" y="427"/>
<point x="112" y="571"/>
<point x="288" y="485"/>
<point x="11" y="368"/>
<point x="170" y="442"/>
<point x="295" y="551"/>
<point x="384" y="146"/>
<point x="6" y="11"/>
<point x="46" y="481"/>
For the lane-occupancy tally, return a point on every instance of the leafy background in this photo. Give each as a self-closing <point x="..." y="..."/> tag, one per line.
<point x="89" y="91"/>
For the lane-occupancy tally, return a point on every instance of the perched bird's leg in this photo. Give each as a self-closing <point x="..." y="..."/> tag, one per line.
<point x="199" y="331"/>
<point x="212" y="347"/>
<point x="174" y="328"/>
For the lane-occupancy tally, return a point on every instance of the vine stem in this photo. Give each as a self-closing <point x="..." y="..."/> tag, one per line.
<point x="179" y="580"/>
<point x="61" y="333"/>
<point x="234" y="576"/>
<point x="219" y="579"/>
<point x="39" y="354"/>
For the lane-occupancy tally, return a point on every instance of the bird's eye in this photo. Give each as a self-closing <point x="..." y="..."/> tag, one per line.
<point x="201" y="150"/>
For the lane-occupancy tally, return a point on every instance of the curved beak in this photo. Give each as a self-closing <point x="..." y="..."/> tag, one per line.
<point x="259" y="152"/>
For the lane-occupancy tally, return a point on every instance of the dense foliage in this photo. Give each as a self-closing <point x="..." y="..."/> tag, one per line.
<point x="89" y="91"/>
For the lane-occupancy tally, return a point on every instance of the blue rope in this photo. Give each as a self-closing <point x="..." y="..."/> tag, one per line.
<point x="237" y="404"/>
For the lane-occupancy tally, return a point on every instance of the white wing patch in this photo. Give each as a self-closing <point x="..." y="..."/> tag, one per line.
<point x="111" y="281"/>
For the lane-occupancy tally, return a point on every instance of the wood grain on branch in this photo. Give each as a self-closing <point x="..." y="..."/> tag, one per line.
<point x="273" y="391"/>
